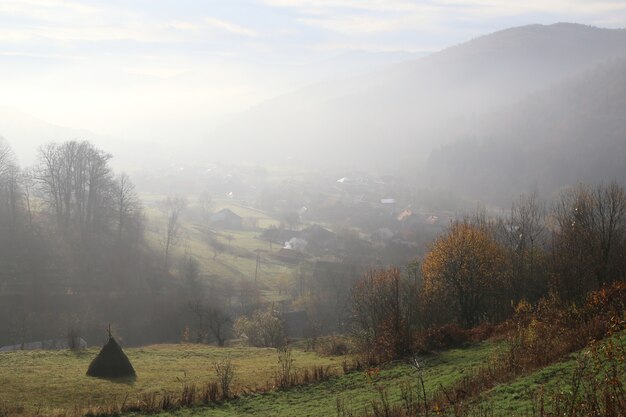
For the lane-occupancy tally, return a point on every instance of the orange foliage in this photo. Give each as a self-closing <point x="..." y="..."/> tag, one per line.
<point x="466" y="270"/>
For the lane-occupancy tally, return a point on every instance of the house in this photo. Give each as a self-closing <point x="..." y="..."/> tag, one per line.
<point x="226" y="219"/>
<point x="290" y="255"/>
<point x="432" y="220"/>
<point x="319" y="235"/>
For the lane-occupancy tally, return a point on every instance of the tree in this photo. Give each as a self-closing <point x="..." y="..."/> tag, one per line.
<point x="127" y="204"/>
<point x="6" y="156"/>
<point x="589" y="238"/>
<point x="77" y="185"/>
<point x="205" y="202"/>
<point x="190" y="272"/>
<point x="10" y="193"/>
<point x="271" y="235"/>
<point x="173" y="207"/>
<point x="264" y="328"/>
<point x="219" y="324"/>
<point x="210" y="319"/>
<point x="382" y="303"/>
<point x="523" y="233"/>
<point x="467" y="265"/>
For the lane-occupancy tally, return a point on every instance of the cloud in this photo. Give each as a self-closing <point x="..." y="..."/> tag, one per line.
<point x="366" y="17"/>
<point x="229" y="27"/>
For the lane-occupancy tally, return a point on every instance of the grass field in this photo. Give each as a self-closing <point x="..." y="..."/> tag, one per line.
<point x="516" y="397"/>
<point x="235" y="264"/>
<point x="56" y="380"/>
<point x="51" y="381"/>
<point x="355" y="390"/>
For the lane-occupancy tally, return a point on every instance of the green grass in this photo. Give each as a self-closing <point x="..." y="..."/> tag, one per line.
<point x="236" y="264"/>
<point x="53" y="381"/>
<point x="56" y="380"/>
<point x="355" y="390"/>
<point x="515" y="398"/>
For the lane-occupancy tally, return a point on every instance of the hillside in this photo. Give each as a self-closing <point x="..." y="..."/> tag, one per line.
<point x="393" y="117"/>
<point x="168" y="368"/>
<point x="574" y="131"/>
<point x="60" y="381"/>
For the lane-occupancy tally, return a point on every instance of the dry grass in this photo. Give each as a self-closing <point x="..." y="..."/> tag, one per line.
<point x="56" y="381"/>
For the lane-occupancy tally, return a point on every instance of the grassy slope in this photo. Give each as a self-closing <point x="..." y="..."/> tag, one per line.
<point x="355" y="390"/>
<point x="515" y="398"/>
<point x="226" y="266"/>
<point x="56" y="379"/>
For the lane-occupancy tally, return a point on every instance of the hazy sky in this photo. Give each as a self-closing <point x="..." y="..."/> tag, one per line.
<point x="155" y="67"/>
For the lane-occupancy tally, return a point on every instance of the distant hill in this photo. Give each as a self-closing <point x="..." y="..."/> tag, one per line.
<point x="574" y="131"/>
<point x="393" y="118"/>
<point x="25" y="133"/>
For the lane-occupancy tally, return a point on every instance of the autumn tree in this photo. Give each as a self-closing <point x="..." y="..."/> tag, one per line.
<point x="466" y="269"/>
<point x="383" y="303"/>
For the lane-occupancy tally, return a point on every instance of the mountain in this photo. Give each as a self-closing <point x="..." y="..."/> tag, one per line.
<point x="25" y="133"/>
<point x="573" y="131"/>
<point x="394" y="118"/>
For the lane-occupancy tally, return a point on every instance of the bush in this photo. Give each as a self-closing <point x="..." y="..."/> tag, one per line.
<point x="262" y="329"/>
<point x="225" y="371"/>
<point x="444" y="337"/>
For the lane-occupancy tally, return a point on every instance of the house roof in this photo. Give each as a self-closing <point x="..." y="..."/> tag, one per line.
<point x="225" y="214"/>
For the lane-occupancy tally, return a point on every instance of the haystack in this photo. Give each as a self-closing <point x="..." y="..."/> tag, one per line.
<point x="111" y="362"/>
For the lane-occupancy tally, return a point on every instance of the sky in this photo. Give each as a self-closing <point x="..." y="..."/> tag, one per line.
<point x="163" y="70"/>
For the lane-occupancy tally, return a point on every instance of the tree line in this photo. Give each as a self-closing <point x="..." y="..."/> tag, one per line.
<point x="73" y="254"/>
<point x="481" y="268"/>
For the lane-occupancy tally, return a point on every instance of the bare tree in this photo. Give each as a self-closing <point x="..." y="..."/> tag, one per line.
<point x="211" y="318"/>
<point x="589" y="237"/>
<point x="219" y="324"/>
<point x="523" y="233"/>
<point x="127" y="204"/>
<point x="77" y="184"/>
<point x="205" y="202"/>
<point x="28" y="184"/>
<point x="6" y="155"/>
<point x="174" y="206"/>
<point x="10" y="194"/>
<point x="608" y="221"/>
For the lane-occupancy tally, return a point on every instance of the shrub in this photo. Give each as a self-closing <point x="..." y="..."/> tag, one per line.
<point x="285" y="377"/>
<point x="225" y="371"/>
<point x="443" y="337"/>
<point x="262" y="329"/>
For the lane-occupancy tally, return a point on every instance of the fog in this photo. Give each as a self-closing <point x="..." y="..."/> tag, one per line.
<point x="175" y="168"/>
<point x="274" y="80"/>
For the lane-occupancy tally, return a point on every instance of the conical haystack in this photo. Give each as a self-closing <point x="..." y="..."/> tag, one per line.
<point x="111" y="362"/>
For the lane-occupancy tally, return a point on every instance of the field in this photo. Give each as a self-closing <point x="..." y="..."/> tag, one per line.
<point x="47" y="382"/>
<point x="56" y="380"/>
<point x="236" y="262"/>
<point x="354" y="391"/>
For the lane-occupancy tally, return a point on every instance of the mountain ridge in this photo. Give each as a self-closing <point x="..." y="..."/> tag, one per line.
<point x="410" y="105"/>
